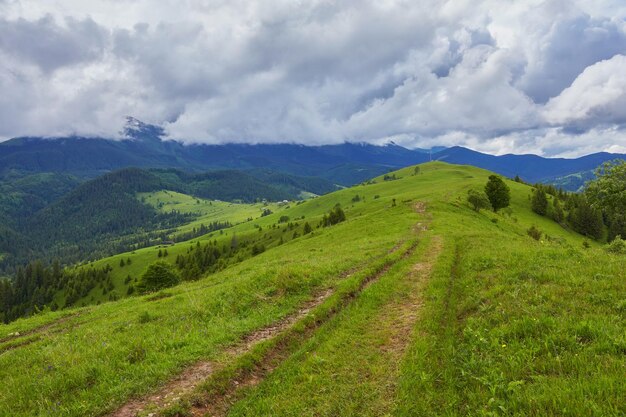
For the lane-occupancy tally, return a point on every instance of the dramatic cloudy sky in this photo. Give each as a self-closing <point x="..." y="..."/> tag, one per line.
<point x="499" y="76"/>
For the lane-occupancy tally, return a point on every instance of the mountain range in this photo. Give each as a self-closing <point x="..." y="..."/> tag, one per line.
<point x="344" y="164"/>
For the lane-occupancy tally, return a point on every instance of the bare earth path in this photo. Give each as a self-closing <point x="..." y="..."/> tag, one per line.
<point x="197" y="373"/>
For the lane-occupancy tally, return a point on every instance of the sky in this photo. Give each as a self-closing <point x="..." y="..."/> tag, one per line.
<point x="498" y="76"/>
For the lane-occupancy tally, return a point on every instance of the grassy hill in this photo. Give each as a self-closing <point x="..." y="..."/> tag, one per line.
<point x="415" y="305"/>
<point x="205" y="211"/>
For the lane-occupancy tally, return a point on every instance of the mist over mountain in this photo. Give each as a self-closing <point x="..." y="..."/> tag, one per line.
<point x="346" y="164"/>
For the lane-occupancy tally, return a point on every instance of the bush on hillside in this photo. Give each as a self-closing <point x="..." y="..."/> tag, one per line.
<point x="334" y="216"/>
<point x="478" y="200"/>
<point x="257" y="249"/>
<point x="157" y="276"/>
<point x="618" y="245"/>
<point x="534" y="232"/>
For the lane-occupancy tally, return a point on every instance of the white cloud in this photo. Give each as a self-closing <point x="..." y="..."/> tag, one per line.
<point x="542" y="76"/>
<point x="597" y="96"/>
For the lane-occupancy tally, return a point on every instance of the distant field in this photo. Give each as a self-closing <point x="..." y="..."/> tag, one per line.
<point x="432" y="309"/>
<point x="208" y="211"/>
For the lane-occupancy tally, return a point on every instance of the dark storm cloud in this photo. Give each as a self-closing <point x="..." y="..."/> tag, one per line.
<point x="49" y="45"/>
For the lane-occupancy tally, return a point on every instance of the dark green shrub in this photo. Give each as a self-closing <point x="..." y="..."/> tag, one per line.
<point x="478" y="200"/>
<point x="334" y="216"/>
<point x="157" y="276"/>
<point x="497" y="192"/>
<point x="257" y="249"/>
<point x="534" y="232"/>
<point x="539" y="202"/>
<point x="618" y="245"/>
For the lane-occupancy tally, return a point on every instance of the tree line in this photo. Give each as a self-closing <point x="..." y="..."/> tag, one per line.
<point x="598" y="212"/>
<point x="35" y="286"/>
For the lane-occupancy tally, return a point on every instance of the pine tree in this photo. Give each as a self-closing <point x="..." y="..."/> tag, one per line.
<point x="497" y="192"/>
<point x="539" y="202"/>
<point x="587" y="220"/>
<point x="557" y="213"/>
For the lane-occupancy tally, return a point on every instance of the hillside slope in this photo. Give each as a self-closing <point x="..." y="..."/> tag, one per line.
<point x="531" y="168"/>
<point x="55" y="215"/>
<point x="415" y="305"/>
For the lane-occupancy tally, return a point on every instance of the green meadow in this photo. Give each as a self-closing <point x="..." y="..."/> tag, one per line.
<point x="435" y="310"/>
<point x="207" y="211"/>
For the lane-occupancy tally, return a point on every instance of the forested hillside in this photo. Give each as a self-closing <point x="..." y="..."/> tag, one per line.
<point x="58" y="216"/>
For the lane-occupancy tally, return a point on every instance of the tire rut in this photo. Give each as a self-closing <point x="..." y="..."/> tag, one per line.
<point x="38" y="329"/>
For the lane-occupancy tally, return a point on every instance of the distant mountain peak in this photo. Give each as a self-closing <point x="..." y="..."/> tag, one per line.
<point x="133" y="123"/>
<point x="138" y="130"/>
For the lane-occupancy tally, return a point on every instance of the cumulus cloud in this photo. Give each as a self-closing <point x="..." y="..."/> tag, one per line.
<point x="543" y="76"/>
<point x="597" y="96"/>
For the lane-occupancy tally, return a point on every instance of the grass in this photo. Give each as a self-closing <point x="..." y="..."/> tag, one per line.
<point x="518" y="327"/>
<point x="511" y="326"/>
<point x="207" y="211"/>
<point x="505" y="324"/>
